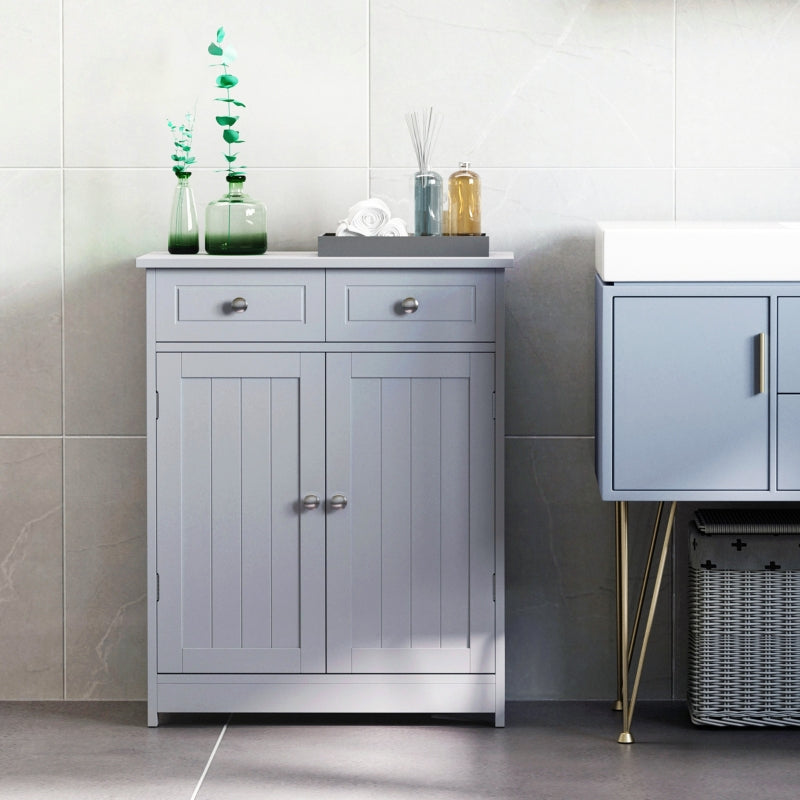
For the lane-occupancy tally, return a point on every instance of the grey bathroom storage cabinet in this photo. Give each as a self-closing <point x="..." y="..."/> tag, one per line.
<point x="325" y="484"/>
<point x="698" y="389"/>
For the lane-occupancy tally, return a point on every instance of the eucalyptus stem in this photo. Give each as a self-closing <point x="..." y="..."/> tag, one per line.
<point x="227" y="81"/>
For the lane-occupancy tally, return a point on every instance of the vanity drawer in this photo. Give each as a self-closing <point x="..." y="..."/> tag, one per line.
<point x="273" y="305"/>
<point x="789" y="344"/>
<point x="410" y="305"/>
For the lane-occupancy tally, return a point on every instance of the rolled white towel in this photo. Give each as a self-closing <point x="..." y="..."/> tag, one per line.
<point x="342" y="230"/>
<point x="394" y="227"/>
<point x="367" y="217"/>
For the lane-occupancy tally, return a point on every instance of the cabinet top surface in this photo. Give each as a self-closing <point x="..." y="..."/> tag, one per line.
<point x="670" y="251"/>
<point x="310" y="260"/>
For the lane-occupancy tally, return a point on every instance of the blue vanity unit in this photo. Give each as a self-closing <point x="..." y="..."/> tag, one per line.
<point x="698" y="377"/>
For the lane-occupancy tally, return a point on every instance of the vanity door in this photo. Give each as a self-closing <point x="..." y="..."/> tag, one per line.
<point x="690" y="394"/>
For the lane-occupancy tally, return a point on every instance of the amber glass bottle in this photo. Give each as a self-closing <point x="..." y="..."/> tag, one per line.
<point x="464" y="194"/>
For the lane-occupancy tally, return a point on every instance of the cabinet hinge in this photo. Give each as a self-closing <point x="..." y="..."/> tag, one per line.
<point x="156" y="403"/>
<point x="494" y="405"/>
<point x="158" y="587"/>
<point x="494" y="587"/>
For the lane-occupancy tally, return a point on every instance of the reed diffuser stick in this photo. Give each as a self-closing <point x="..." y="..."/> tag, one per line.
<point x="424" y="128"/>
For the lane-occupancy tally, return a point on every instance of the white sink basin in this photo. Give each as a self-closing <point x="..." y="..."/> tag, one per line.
<point x="698" y="251"/>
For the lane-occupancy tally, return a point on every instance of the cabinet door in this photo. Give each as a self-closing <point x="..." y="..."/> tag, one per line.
<point x="240" y="441"/>
<point x="411" y="556"/>
<point x="688" y="412"/>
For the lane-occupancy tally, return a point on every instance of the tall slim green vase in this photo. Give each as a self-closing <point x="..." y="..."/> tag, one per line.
<point x="183" y="230"/>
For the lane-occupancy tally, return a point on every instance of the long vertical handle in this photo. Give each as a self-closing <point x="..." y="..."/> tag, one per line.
<point x="762" y="363"/>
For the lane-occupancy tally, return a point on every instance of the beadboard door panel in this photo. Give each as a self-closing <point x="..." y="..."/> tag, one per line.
<point x="235" y="460"/>
<point x="410" y="558"/>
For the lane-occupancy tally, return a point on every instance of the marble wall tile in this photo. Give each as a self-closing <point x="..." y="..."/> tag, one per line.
<point x="31" y="608"/>
<point x="551" y="83"/>
<point x="302" y="69"/>
<point x="30" y="302"/>
<point x="30" y="92"/>
<point x="737" y="194"/>
<point x="111" y="216"/>
<point x="560" y="579"/>
<point x="547" y="217"/>
<point x="105" y="569"/>
<point x="737" y="75"/>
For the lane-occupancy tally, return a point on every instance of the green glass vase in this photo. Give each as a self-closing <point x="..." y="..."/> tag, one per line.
<point x="183" y="231"/>
<point x="236" y="224"/>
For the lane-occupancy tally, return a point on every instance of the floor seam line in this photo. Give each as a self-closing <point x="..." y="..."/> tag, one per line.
<point x="210" y="759"/>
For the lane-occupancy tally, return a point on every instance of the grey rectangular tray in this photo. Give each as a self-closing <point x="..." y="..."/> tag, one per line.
<point x="403" y="246"/>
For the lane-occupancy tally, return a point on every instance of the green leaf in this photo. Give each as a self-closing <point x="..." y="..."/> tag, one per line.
<point x="220" y="35"/>
<point x="230" y="135"/>
<point x="228" y="55"/>
<point x="227" y="81"/>
<point x="226" y="121"/>
<point x="237" y="103"/>
<point x="231" y="159"/>
<point x="225" y="99"/>
<point x="214" y="49"/>
<point x="190" y="160"/>
<point x="177" y="158"/>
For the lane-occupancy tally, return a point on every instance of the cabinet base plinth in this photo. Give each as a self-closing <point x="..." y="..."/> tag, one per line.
<point x="330" y="694"/>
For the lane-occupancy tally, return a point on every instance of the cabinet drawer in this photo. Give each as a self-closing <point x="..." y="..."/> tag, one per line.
<point x="440" y="305"/>
<point x="789" y="344"/>
<point x="279" y="305"/>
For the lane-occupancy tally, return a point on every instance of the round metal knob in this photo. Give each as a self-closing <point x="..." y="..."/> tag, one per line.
<point x="311" y="501"/>
<point x="239" y="304"/>
<point x="338" y="501"/>
<point x="409" y="305"/>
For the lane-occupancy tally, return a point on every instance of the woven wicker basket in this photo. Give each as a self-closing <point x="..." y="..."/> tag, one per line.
<point x="744" y="629"/>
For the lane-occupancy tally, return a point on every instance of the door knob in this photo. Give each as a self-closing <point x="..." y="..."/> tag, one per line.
<point x="338" y="501"/>
<point x="409" y="305"/>
<point x="311" y="501"/>
<point x="239" y="304"/>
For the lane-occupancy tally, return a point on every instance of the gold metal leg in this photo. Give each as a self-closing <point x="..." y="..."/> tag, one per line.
<point x="645" y="579"/>
<point x="618" y="570"/>
<point x="626" y="644"/>
<point x="653" y="602"/>
<point x="625" y="737"/>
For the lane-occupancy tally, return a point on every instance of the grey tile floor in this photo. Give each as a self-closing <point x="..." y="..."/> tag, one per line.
<point x="563" y="751"/>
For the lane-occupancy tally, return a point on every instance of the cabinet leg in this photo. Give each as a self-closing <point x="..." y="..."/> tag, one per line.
<point x="626" y="642"/>
<point x="618" y="570"/>
<point x="624" y="737"/>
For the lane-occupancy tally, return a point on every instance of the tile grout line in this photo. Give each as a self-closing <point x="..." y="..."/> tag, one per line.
<point x="63" y="383"/>
<point x="210" y="759"/>
<point x="675" y="110"/>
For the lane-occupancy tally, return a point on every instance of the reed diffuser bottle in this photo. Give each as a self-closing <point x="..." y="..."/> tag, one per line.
<point x="428" y="187"/>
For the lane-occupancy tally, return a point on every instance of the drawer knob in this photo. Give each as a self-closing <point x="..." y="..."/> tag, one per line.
<point x="311" y="501"/>
<point x="338" y="501"/>
<point x="239" y="304"/>
<point x="409" y="305"/>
